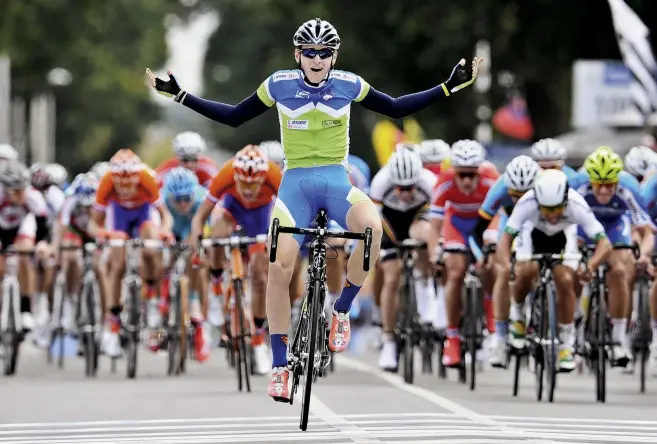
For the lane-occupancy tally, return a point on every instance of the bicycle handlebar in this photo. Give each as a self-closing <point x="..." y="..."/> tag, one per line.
<point x="550" y="257"/>
<point x="321" y="233"/>
<point x="410" y="244"/>
<point x="138" y="243"/>
<point x="234" y="241"/>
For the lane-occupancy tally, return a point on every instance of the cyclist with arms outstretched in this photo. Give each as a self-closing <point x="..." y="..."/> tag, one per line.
<point x="313" y="103"/>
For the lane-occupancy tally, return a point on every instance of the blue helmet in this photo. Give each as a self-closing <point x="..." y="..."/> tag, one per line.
<point x="84" y="188"/>
<point x="181" y="182"/>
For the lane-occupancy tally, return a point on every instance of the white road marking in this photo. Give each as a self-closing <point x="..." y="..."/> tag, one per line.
<point x="352" y="431"/>
<point x="440" y="401"/>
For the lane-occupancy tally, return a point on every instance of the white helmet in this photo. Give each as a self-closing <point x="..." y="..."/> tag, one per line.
<point x="57" y="173"/>
<point x="8" y="152"/>
<point x="467" y="153"/>
<point x="405" y="167"/>
<point x="548" y="149"/>
<point x="551" y="188"/>
<point x="273" y="150"/>
<point x="639" y="159"/>
<point x="99" y="169"/>
<point x="520" y="173"/>
<point x="317" y="32"/>
<point x="433" y="151"/>
<point x="188" y="143"/>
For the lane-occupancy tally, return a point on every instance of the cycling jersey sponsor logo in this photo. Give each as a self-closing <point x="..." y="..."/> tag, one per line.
<point x="344" y="76"/>
<point x="285" y="76"/>
<point x="302" y="94"/>
<point x="327" y="123"/>
<point x="297" y="124"/>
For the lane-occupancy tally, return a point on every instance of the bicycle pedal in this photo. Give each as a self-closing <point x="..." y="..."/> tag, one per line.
<point x="281" y="399"/>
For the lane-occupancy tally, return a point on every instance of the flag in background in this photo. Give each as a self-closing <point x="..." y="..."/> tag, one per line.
<point x="633" y="40"/>
<point x="386" y="135"/>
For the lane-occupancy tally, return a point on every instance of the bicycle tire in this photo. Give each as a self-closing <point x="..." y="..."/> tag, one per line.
<point x="539" y="358"/>
<point x="442" y="369"/>
<point x="643" y="331"/>
<point x="309" y="367"/>
<point x="57" y="309"/>
<point x="10" y="339"/>
<point x="473" y="333"/>
<point x="516" y="374"/>
<point x="242" y="349"/>
<point x="602" y="340"/>
<point x="173" y="339"/>
<point x="90" y="345"/>
<point x="133" y="331"/>
<point x="409" y="305"/>
<point x="551" y="361"/>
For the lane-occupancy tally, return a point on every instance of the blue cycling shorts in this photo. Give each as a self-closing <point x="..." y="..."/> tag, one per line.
<point x="304" y="191"/>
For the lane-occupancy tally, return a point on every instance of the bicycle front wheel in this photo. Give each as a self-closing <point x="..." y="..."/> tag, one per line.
<point x="313" y="325"/>
<point x="243" y="351"/>
<point x="551" y="344"/>
<point x="643" y="337"/>
<point x="601" y="319"/>
<point x="89" y="298"/>
<point x="133" y="329"/>
<point x="409" y="311"/>
<point x="173" y="339"/>
<point x="473" y="329"/>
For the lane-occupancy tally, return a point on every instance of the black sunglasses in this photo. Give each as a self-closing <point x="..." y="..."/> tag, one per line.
<point x="188" y="158"/>
<point x="467" y="175"/>
<point x="323" y="53"/>
<point x="406" y="188"/>
<point x="183" y="199"/>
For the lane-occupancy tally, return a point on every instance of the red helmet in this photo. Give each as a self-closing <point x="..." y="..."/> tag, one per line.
<point x="250" y="164"/>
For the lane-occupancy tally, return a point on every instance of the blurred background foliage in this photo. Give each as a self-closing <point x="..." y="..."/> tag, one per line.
<point x="398" y="46"/>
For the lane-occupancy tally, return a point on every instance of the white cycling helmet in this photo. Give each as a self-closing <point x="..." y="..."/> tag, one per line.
<point x="57" y="173"/>
<point x="434" y="151"/>
<point x="467" y="153"/>
<point x="188" y="143"/>
<point x="99" y="169"/>
<point x="520" y="173"/>
<point x="551" y="188"/>
<point x="405" y="167"/>
<point x="317" y="32"/>
<point x="8" y="152"/>
<point x="273" y="150"/>
<point x="548" y="149"/>
<point x="639" y="160"/>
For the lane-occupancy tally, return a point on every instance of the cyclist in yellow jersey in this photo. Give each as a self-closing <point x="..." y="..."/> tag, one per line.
<point x="313" y="103"/>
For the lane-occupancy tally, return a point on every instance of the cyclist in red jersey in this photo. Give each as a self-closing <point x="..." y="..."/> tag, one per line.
<point x="188" y="147"/>
<point x="459" y="193"/>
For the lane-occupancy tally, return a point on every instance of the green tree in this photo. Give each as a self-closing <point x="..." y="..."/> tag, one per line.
<point x="105" y="46"/>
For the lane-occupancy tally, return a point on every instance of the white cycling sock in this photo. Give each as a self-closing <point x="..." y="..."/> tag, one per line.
<point x="619" y="326"/>
<point x="516" y="313"/>
<point x="440" y="313"/>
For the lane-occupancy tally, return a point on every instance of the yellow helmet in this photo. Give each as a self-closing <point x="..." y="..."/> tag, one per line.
<point x="603" y="148"/>
<point x="603" y="166"/>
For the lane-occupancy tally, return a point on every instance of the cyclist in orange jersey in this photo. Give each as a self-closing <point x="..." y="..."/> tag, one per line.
<point x="128" y="206"/>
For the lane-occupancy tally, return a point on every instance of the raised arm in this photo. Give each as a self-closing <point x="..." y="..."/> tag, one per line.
<point x="232" y="115"/>
<point x="398" y="107"/>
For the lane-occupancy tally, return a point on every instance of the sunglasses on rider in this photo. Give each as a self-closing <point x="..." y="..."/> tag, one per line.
<point x="183" y="199"/>
<point x="406" y="188"/>
<point x="467" y="174"/>
<point x="188" y="158"/>
<point x="551" y="210"/>
<point x="323" y="53"/>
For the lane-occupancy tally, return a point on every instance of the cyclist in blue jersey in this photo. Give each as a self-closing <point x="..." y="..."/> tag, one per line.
<point x="639" y="161"/>
<point x="183" y="194"/>
<point x="615" y="199"/>
<point x="518" y="178"/>
<point x="313" y="103"/>
<point x="359" y="173"/>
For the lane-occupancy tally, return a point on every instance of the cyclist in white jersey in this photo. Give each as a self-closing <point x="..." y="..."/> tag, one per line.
<point x="23" y="221"/>
<point x="544" y="220"/>
<point x="402" y="192"/>
<point x="313" y="103"/>
<point x="43" y="181"/>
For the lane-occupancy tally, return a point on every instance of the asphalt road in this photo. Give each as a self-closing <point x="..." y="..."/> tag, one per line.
<point x="358" y="403"/>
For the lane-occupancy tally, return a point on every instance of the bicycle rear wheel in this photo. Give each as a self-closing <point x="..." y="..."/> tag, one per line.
<point x="133" y="329"/>
<point x="552" y="343"/>
<point x="57" y="314"/>
<point x="314" y="299"/>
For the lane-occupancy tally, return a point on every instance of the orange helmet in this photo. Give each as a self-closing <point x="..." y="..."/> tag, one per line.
<point x="125" y="162"/>
<point x="250" y="164"/>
